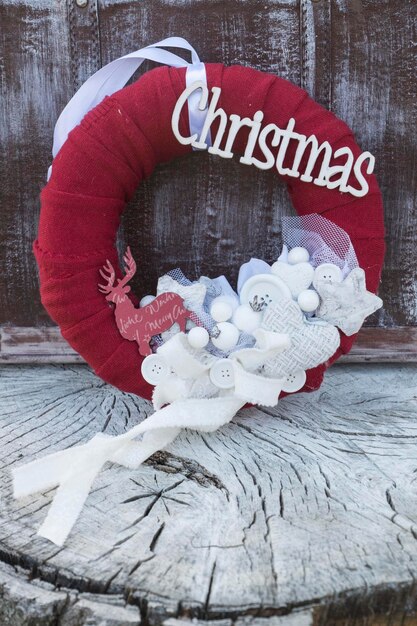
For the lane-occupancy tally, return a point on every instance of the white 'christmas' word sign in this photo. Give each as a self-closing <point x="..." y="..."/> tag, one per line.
<point x="330" y="176"/>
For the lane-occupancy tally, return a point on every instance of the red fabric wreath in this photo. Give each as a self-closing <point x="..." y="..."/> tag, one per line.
<point x="115" y="147"/>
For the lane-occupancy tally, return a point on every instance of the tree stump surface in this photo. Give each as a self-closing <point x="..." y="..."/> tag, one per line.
<point x="300" y="515"/>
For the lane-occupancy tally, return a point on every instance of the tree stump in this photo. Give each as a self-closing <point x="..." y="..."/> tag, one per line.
<point x="303" y="514"/>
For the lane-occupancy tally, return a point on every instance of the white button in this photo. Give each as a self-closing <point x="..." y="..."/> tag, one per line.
<point x="294" y="382"/>
<point x="263" y="289"/>
<point x="198" y="337"/>
<point x="146" y="300"/>
<point x="298" y="255"/>
<point x="155" y="369"/>
<point x="222" y="375"/>
<point x="227" y="338"/>
<point x="327" y="273"/>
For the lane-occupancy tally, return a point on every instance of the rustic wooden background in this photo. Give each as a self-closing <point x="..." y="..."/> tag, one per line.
<point x="204" y="214"/>
<point x="317" y="497"/>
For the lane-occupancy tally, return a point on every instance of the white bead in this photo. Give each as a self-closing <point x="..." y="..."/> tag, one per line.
<point x="308" y="300"/>
<point x="228" y="337"/>
<point x="298" y="255"/>
<point x="246" y="319"/>
<point x="146" y="300"/>
<point x="198" y="337"/>
<point x="220" y="310"/>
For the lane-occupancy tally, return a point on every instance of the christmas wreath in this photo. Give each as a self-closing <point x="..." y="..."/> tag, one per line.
<point x="199" y="347"/>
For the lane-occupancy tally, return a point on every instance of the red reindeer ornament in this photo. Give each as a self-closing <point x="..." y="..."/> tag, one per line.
<point x="142" y="324"/>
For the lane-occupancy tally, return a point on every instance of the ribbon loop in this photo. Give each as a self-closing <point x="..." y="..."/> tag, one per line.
<point x="180" y="357"/>
<point x="115" y="75"/>
<point x="254" y="388"/>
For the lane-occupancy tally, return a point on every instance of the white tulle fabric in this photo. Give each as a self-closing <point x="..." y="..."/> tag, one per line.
<point x="325" y="241"/>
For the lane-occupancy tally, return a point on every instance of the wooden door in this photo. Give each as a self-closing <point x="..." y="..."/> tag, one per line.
<point x="204" y="214"/>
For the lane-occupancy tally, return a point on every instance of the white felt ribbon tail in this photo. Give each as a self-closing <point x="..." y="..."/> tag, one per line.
<point x="134" y="453"/>
<point x="75" y="469"/>
<point x="68" y="503"/>
<point x="45" y="473"/>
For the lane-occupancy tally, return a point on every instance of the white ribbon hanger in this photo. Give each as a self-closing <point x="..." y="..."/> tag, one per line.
<point x="115" y="75"/>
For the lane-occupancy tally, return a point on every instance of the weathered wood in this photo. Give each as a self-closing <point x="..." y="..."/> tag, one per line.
<point x="84" y="32"/>
<point x="312" y="503"/>
<point x="46" y="345"/>
<point x="35" y="345"/>
<point x="374" y="91"/>
<point x="384" y="345"/>
<point x="315" y="50"/>
<point x="202" y="213"/>
<point x="28" y="602"/>
<point x="35" y="83"/>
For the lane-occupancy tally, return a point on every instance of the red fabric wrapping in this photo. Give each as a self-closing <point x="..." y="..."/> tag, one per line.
<point x="117" y="145"/>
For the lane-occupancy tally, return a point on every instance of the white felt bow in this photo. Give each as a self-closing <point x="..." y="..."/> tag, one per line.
<point x="74" y="470"/>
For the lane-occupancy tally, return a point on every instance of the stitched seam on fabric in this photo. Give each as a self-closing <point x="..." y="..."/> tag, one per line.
<point x="370" y="238"/>
<point x="348" y="133"/>
<point x="352" y="201"/>
<point x="82" y="320"/>
<point x="138" y="127"/>
<point x="306" y="97"/>
<point x="75" y="195"/>
<point x="71" y="257"/>
<point x="97" y="113"/>
<point x="103" y="146"/>
<point x="170" y="73"/>
<point x="301" y="103"/>
<point x="78" y="271"/>
<point x="271" y="84"/>
<point x="103" y="365"/>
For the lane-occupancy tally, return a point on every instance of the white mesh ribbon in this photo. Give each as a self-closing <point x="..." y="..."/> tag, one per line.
<point x="325" y="241"/>
<point x="198" y="297"/>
